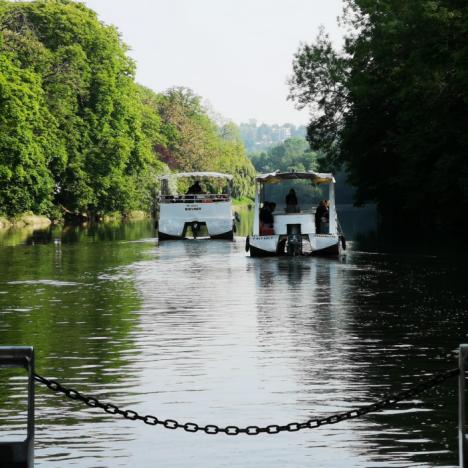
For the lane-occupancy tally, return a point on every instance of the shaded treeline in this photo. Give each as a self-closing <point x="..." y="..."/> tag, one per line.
<point x="78" y="135"/>
<point x="392" y="106"/>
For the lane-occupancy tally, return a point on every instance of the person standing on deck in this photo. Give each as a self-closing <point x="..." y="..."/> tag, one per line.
<point x="291" y="202"/>
<point x="321" y="216"/>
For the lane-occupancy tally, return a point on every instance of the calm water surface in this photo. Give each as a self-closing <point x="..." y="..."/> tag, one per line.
<point x="198" y="331"/>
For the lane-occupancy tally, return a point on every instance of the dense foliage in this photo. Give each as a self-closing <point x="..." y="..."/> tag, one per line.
<point x="293" y="154"/>
<point x="77" y="134"/>
<point x="393" y="107"/>
<point x="195" y="143"/>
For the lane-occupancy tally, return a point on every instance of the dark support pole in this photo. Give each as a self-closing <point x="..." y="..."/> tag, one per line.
<point x="463" y="443"/>
<point x="20" y="454"/>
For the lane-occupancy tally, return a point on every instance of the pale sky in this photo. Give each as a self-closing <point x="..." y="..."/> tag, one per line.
<point x="237" y="54"/>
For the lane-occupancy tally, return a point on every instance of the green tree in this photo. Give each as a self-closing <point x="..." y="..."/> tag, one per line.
<point x="29" y="142"/>
<point x="293" y="154"/>
<point x="77" y="133"/>
<point x="393" y="108"/>
<point x="195" y="143"/>
<point x="87" y="84"/>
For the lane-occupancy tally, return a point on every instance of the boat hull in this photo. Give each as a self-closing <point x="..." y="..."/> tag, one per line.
<point x="175" y="218"/>
<point x="229" y="235"/>
<point x="268" y="246"/>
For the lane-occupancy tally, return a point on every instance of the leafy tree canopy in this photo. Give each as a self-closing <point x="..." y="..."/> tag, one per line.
<point x="392" y="107"/>
<point x="77" y="134"/>
<point x="293" y="154"/>
<point x="196" y="143"/>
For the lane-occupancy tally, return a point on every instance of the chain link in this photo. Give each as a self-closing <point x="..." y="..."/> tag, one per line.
<point x="387" y="402"/>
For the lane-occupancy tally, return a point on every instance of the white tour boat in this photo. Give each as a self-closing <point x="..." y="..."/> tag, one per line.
<point x="295" y="228"/>
<point x="195" y="209"/>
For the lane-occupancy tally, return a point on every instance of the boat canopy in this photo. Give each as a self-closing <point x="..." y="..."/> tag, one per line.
<point x="217" y="175"/>
<point x="277" y="176"/>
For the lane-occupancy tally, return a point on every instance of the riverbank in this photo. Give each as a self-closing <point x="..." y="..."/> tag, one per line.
<point x="30" y="220"/>
<point x="25" y="220"/>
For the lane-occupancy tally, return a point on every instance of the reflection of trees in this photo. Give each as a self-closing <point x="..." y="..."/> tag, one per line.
<point x="109" y="231"/>
<point x="244" y="223"/>
<point x="75" y="304"/>
<point x="15" y="236"/>
<point x="408" y="312"/>
<point x="360" y="329"/>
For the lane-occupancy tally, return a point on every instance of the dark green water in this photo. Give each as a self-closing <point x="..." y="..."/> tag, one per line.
<point x="198" y="331"/>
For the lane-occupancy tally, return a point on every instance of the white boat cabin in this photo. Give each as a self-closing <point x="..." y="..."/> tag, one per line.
<point x="298" y="218"/>
<point x="204" y="207"/>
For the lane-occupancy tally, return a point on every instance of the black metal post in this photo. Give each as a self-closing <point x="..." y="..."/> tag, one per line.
<point x="20" y="454"/>
<point x="462" y="441"/>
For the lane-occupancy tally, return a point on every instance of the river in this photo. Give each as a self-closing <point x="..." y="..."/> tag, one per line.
<point x="199" y="331"/>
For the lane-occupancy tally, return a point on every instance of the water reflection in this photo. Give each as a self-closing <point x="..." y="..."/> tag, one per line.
<point x="75" y="303"/>
<point x="199" y="331"/>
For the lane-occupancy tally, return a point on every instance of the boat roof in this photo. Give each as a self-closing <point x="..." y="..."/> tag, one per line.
<point x="277" y="176"/>
<point x="217" y="175"/>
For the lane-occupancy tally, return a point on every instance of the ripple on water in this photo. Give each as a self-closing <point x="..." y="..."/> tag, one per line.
<point x="198" y="331"/>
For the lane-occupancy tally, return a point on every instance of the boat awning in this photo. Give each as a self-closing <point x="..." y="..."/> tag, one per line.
<point x="277" y="176"/>
<point x="217" y="175"/>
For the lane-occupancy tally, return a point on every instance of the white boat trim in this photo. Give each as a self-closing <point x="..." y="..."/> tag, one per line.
<point x="216" y="175"/>
<point x="277" y="176"/>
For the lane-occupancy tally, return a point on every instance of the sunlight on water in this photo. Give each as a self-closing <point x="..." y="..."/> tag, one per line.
<point x="199" y="331"/>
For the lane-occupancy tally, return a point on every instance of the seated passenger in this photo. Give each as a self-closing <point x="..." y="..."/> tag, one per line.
<point x="266" y="216"/>
<point x="291" y="202"/>
<point x="266" y="219"/>
<point x="321" y="217"/>
<point x="194" y="189"/>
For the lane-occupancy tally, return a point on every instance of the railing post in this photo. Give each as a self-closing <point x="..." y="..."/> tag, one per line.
<point x="462" y="441"/>
<point x="20" y="454"/>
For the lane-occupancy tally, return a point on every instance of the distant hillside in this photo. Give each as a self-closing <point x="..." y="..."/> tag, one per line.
<point x="261" y="137"/>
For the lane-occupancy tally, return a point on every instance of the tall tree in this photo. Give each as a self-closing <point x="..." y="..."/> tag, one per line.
<point x="392" y="106"/>
<point x="195" y="143"/>
<point x="86" y="81"/>
<point x="29" y="142"/>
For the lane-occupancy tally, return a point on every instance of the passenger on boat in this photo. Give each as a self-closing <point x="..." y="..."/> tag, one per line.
<point x="291" y="202"/>
<point x="266" y="218"/>
<point x="266" y="214"/>
<point x="194" y="189"/>
<point x="321" y="217"/>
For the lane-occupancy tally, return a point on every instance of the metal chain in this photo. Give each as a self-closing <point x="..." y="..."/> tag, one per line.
<point x="390" y="400"/>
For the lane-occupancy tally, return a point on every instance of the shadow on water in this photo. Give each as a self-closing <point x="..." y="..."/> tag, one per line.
<point x="372" y="325"/>
<point x="408" y="316"/>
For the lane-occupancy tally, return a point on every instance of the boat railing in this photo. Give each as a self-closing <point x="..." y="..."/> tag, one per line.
<point x="300" y="212"/>
<point x="195" y="198"/>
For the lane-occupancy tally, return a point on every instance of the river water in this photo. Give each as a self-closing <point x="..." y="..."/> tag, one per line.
<point x="199" y="331"/>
